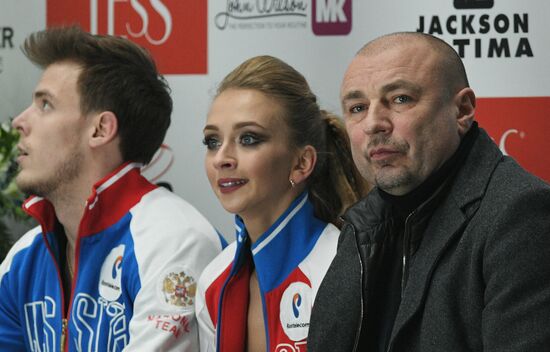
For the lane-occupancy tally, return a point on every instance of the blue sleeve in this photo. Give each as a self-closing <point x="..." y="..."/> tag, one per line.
<point x="11" y="337"/>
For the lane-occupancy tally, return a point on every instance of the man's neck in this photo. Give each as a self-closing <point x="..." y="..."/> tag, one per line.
<point x="69" y="207"/>
<point x="69" y="200"/>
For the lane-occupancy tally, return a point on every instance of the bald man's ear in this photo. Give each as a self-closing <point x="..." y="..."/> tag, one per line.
<point x="466" y="104"/>
<point x="104" y="128"/>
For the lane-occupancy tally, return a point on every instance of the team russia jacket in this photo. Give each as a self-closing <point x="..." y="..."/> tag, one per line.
<point x="139" y="252"/>
<point x="290" y="260"/>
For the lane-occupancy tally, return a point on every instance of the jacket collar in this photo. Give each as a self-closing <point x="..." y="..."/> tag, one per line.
<point x="279" y="250"/>
<point x="110" y="199"/>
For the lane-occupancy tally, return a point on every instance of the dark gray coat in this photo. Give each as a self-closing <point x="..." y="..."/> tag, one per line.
<point x="479" y="281"/>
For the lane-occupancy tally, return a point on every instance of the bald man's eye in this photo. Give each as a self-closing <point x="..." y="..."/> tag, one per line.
<point x="357" y="108"/>
<point x="402" y="99"/>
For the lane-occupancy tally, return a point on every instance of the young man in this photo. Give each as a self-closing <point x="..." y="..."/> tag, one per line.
<point x="449" y="252"/>
<point x="114" y="262"/>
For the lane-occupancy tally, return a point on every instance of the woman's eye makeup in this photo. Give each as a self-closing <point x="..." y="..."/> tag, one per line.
<point x="211" y="142"/>
<point x="250" y="139"/>
<point x="245" y="139"/>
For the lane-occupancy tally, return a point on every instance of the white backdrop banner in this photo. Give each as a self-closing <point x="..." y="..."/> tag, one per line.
<point x="504" y="43"/>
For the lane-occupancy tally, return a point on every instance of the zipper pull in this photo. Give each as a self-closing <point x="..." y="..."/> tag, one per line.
<point x="63" y="334"/>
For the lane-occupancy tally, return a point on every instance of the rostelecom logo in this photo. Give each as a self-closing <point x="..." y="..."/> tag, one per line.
<point x="174" y="31"/>
<point x="296" y="303"/>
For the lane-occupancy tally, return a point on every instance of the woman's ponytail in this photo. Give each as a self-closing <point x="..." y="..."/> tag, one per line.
<point x="337" y="184"/>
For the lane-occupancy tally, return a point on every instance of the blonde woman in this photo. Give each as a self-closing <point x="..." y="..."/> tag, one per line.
<point x="284" y="168"/>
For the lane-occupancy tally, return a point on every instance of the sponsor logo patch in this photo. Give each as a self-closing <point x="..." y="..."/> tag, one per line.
<point x="295" y="310"/>
<point x="111" y="275"/>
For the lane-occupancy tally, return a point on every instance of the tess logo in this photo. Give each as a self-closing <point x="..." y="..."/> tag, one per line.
<point x="174" y="31"/>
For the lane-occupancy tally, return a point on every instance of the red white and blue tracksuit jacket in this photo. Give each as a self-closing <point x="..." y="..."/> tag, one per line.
<point x="139" y="251"/>
<point x="290" y="259"/>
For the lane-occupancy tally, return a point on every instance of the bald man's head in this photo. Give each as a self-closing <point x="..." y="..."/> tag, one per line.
<point x="406" y="105"/>
<point x="449" y="65"/>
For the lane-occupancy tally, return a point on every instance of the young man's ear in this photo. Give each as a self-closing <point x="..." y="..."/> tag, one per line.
<point x="466" y="104"/>
<point x="304" y="164"/>
<point x="104" y="128"/>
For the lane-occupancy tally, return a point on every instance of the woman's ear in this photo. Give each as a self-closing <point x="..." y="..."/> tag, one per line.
<point x="304" y="164"/>
<point x="104" y="128"/>
<point x="466" y="104"/>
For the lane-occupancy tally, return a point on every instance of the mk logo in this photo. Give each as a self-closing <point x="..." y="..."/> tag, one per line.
<point x="331" y="17"/>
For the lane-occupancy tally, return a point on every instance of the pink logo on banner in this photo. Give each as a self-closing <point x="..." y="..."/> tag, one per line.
<point x="520" y="127"/>
<point x="331" y="17"/>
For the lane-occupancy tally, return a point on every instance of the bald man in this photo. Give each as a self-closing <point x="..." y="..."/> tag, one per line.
<point x="450" y="250"/>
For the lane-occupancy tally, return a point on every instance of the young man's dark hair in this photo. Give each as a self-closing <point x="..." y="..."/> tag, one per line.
<point x="117" y="76"/>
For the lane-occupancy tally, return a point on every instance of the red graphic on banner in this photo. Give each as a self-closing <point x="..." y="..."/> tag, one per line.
<point x="520" y="127"/>
<point x="174" y="31"/>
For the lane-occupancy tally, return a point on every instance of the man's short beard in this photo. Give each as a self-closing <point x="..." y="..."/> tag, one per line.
<point x="49" y="187"/>
<point x="390" y="183"/>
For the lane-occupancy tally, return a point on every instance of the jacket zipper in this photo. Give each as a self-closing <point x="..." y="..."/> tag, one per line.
<point x="63" y="334"/>
<point x="404" y="272"/>
<point x="406" y="239"/>
<point x="358" y="332"/>
<point x="64" y="318"/>
<point x="405" y="262"/>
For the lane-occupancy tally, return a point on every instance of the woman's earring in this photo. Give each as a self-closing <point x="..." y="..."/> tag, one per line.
<point x="292" y="183"/>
